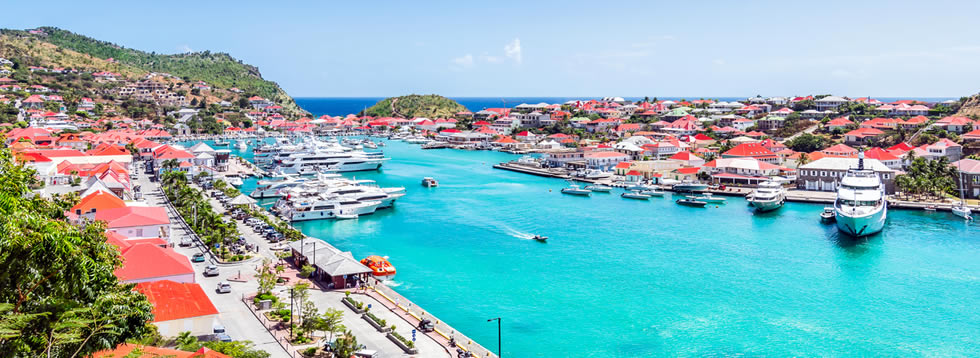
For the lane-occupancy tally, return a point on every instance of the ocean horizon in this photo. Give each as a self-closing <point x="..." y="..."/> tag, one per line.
<point x="341" y="106"/>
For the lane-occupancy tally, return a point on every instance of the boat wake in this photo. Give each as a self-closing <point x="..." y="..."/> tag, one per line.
<point x="391" y="283"/>
<point x="518" y="234"/>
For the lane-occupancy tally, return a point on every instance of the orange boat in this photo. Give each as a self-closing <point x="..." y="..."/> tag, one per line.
<point x="382" y="269"/>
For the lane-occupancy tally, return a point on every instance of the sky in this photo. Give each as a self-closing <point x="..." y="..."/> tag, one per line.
<point x="563" y="48"/>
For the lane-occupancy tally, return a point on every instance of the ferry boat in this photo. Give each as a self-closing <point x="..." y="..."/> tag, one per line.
<point x="634" y="195"/>
<point x="598" y="188"/>
<point x="860" y="208"/>
<point x="429" y="182"/>
<point x="576" y="190"/>
<point x="380" y="267"/>
<point x="690" y="186"/>
<point x="768" y="196"/>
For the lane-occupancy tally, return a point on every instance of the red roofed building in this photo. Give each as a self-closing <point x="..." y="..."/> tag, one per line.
<point x="839" y="150"/>
<point x="955" y="124"/>
<point x="146" y="261"/>
<point x="915" y="122"/>
<point x="752" y="150"/>
<point x="688" y="159"/>
<point x="741" y="170"/>
<point x="93" y="203"/>
<point x="179" y="307"/>
<point x="838" y="123"/>
<point x="862" y="135"/>
<point x="888" y="159"/>
<point x="136" y="221"/>
<point x="128" y="350"/>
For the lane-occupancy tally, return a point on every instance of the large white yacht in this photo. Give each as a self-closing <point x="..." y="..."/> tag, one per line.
<point x="768" y="196"/>
<point x="326" y="199"/>
<point x="274" y="188"/>
<point x="861" y="206"/>
<point x="316" y="156"/>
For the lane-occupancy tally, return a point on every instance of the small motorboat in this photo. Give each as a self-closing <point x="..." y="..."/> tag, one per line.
<point x="540" y="238"/>
<point x="221" y="143"/>
<point x="654" y="192"/>
<point x="962" y="211"/>
<point x="930" y="208"/>
<point x="828" y="215"/>
<point x="634" y="195"/>
<point x="691" y="202"/>
<point x="429" y="182"/>
<point x="708" y="198"/>
<point x="345" y="216"/>
<point x="576" y="190"/>
<point x="599" y="188"/>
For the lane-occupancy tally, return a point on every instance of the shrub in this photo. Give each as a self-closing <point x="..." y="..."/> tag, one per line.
<point x="309" y="352"/>
<point x="381" y="322"/>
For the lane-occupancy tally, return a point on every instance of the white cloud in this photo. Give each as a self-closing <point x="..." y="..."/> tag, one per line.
<point x="491" y="59"/>
<point x="184" y="49"/>
<point x="463" y="62"/>
<point x="513" y="51"/>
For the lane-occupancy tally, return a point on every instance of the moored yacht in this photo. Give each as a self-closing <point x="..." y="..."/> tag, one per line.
<point x="861" y="208"/>
<point x="690" y="186"/>
<point x="768" y="196"/>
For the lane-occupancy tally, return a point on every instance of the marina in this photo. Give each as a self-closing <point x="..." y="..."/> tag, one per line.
<point x="799" y="264"/>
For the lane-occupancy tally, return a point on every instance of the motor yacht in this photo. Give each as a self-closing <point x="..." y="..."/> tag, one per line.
<point x="634" y="195"/>
<point x="598" y="188"/>
<point x="860" y="208"/>
<point x="574" y="189"/>
<point x="690" y="186"/>
<point x="768" y="196"/>
<point x="429" y="182"/>
<point x="708" y="198"/>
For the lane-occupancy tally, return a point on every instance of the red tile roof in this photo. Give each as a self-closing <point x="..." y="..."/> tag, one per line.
<point x="133" y="216"/>
<point x="148" y="261"/>
<point x="172" y="300"/>
<point x="126" y="350"/>
<point x="98" y="201"/>
<point x="749" y="150"/>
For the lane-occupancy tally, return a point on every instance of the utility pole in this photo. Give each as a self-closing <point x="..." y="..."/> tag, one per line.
<point x="498" y="333"/>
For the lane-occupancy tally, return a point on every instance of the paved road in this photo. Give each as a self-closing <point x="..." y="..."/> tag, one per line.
<point x="233" y="314"/>
<point x="808" y="130"/>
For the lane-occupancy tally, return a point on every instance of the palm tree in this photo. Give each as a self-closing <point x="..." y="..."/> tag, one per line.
<point x="170" y="164"/>
<point x="904" y="183"/>
<point x="804" y="159"/>
<point x="909" y="158"/>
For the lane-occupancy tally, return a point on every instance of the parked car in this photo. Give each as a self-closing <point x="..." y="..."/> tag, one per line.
<point x="224" y="287"/>
<point x="185" y="242"/>
<point x="211" y="270"/>
<point x="198" y="257"/>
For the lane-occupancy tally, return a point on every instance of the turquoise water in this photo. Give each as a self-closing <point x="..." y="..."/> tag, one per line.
<point x="626" y="278"/>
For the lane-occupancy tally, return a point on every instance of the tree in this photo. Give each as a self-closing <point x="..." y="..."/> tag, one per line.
<point x="346" y="345"/>
<point x="58" y="294"/>
<point x="266" y="277"/>
<point x="331" y="321"/>
<point x="806" y="142"/>
<point x="804" y="159"/>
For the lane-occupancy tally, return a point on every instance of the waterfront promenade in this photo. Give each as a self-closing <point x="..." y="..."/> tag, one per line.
<point x="244" y="322"/>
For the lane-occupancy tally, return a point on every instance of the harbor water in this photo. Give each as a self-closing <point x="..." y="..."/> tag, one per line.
<point x="629" y="278"/>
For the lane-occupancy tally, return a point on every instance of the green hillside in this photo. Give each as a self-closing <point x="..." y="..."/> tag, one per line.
<point x="218" y="69"/>
<point x="428" y="106"/>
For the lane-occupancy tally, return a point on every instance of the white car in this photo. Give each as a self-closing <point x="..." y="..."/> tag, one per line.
<point x="224" y="287"/>
<point x="211" y="270"/>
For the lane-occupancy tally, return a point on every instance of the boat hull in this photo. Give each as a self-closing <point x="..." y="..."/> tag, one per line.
<point x="860" y="226"/>
<point x="766" y="205"/>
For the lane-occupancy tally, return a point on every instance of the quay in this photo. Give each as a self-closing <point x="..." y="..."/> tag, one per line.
<point x="792" y="195"/>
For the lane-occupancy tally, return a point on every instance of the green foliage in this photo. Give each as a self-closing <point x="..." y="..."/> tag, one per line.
<point x="346" y="345"/>
<point x="428" y="106"/>
<point x="236" y="349"/>
<point x="404" y="340"/>
<point x="306" y="270"/>
<point x="377" y="320"/>
<point x="931" y="177"/>
<point x="217" y="69"/>
<point x="58" y="294"/>
<point x="807" y="142"/>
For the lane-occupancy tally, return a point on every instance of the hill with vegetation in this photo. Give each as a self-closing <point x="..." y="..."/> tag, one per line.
<point x="969" y="106"/>
<point x="428" y="106"/>
<point x="57" y="47"/>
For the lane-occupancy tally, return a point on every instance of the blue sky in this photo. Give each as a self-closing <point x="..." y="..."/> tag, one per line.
<point x="562" y="48"/>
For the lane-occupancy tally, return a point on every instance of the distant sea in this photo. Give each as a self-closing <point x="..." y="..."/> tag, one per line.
<point x="341" y="106"/>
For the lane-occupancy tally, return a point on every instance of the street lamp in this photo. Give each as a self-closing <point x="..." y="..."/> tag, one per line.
<point x="498" y="333"/>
